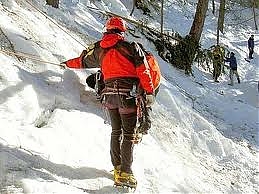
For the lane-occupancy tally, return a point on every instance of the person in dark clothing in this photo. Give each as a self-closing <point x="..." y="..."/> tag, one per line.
<point x="251" y="46"/>
<point x="53" y="3"/>
<point x="124" y="68"/>
<point x="96" y="82"/>
<point x="233" y="68"/>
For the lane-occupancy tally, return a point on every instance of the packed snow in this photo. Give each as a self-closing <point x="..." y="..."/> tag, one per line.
<point x="55" y="135"/>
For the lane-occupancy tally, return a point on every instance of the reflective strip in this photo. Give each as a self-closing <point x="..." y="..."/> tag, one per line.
<point x="112" y="93"/>
<point x="119" y="91"/>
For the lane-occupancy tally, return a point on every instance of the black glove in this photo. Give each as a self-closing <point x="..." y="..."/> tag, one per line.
<point x="144" y="127"/>
<point x="145" y="121"/>
<point x="62" y="65"/>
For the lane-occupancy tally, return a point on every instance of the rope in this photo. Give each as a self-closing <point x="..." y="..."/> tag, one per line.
<point x="28" y="56"/>
<point x="34" y="57"/>
<point x="54" y="22"/>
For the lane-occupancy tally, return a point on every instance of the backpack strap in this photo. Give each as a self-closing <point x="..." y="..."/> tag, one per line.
<point x="103" y="53"/>
<point x="124" y="52"/>
<point x="121" y="49"/>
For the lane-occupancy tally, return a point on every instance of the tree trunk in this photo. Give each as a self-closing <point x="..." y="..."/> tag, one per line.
<point x="199" y="19"/>
<point x="188" y="47"/>
<point x="221" y="18"/>
<point x="254" y="5"/>
<point x="53" y="3"/>
<point x="133" y="6"/>
<point x="162" y="17"/>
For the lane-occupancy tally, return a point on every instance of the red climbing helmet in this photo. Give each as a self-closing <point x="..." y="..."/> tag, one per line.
<point x="116" y="23"/>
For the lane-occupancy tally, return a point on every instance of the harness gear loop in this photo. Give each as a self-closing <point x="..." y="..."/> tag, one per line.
<point x="133" y="91"/>
<point x="136" y="137"/>
<point x="98" y="77"/>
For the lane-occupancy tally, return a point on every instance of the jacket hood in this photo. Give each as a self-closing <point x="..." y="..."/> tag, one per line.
<point x="110" y="40"/>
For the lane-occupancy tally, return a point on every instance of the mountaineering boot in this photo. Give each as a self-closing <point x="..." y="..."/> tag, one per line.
<point x="238" y="80"/>
<point x="116" y="172"/>
<point x="126" y="179"/>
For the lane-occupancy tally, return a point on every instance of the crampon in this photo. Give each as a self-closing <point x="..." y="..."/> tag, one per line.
<point x="125" y="180"/>
<point x="125" y="186"/>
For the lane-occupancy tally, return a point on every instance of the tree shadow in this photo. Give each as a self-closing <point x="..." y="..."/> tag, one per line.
<point x="53" y="91"/>
<point x="19" y="39"/>
<point x="18" y="164"/>
<point x="67" y="94"/>
<point x="10" y="91"/>
<point x="28" y="78"/>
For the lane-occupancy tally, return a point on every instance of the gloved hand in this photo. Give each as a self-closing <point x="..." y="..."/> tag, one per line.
<point x="62" y="65"/>
<point x="150" y="100"/>
<point x="144" y="127"/>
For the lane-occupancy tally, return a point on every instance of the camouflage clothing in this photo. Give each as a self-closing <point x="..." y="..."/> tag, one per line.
<point x="218" y="59"/>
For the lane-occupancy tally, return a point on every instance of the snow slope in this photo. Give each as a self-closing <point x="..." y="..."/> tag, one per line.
<point x="54" y="137"/>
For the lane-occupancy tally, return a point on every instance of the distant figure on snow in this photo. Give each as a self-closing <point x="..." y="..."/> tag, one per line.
<point x="233" y="68"/>
<point x="251" y="46"/>
<point x="53" y="3"/>
<point x="217" y="58"/>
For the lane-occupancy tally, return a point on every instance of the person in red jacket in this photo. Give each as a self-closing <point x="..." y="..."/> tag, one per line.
<point x="125" y="69"/>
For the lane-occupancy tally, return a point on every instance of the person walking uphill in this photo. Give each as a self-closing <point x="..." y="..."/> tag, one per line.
<point x="233" y="68"/>
<point x="121" y="76"/>
<point x="251" y="46"/>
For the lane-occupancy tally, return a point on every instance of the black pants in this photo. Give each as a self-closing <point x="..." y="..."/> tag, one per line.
<point x="251" y="52"/>
<point x="121" y="149"/>
<point x="123" y="115"/>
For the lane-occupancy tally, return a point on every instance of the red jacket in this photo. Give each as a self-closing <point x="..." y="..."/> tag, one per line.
<point x="114" y="65"/>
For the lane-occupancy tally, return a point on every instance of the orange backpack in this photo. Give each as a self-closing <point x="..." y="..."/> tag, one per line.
<point x="154" y="70"/>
